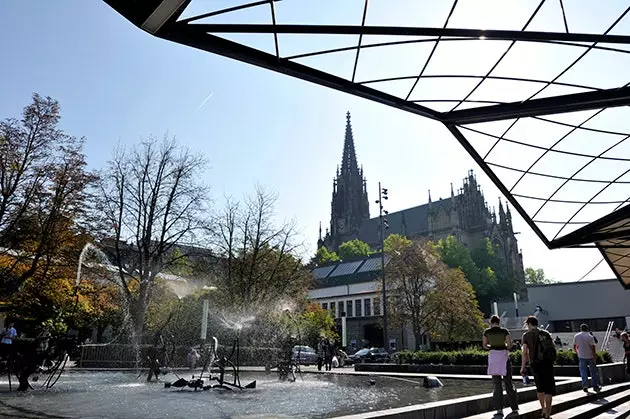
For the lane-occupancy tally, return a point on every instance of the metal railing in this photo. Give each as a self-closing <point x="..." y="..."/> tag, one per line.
<point x="127" y="356"/>
<point x="606" y="341"/>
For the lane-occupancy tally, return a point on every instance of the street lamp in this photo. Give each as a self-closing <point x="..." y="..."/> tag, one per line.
<point x="382" y="195"/>
<point x="205" y="312"/>
<point x="344" y="331"/>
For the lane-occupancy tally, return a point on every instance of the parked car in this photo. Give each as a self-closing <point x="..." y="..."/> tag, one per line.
<point x="304" y="355"/>
<point x="368" y="355"/>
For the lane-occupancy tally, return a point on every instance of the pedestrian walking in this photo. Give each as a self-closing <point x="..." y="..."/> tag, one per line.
<point x="584" y="345"/>
<point x="539" y="350"/>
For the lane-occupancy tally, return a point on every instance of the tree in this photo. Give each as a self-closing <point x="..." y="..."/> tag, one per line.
<point x="324" y="256"/>
<point x="354" y="248"/>
<point x="487" y="256"/>
<point x="152" y="199"/>
<point x="51" y="297"/>
<point x="458" y="317"/>
<point x="44" y="194"/>
<point x="316" y="322"/>
<point x="259" y="264"/>
<point x="483" y="280"/>
<point x="537" y="277"/>
<point x="396" y="242"/>
<point x="412" y="274"/>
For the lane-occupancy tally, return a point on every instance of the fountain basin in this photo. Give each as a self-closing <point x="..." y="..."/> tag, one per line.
<point x="123" y="394"/>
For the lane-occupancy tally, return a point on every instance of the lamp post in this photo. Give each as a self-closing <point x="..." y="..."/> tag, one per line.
<point x="344" y="332"/>
<point x="382" y="195"/>
<point x="205" y="312"/>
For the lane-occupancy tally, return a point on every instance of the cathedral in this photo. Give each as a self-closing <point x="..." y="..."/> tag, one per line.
<point x="465" y="215"/>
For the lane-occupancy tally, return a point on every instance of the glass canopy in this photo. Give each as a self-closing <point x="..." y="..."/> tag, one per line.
<point x="535" y="91"/>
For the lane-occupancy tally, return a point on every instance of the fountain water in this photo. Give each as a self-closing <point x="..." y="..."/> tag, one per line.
<point x="106" y="274"/>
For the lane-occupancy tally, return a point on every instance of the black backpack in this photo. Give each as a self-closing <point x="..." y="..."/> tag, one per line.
<point x="545" y="349"/>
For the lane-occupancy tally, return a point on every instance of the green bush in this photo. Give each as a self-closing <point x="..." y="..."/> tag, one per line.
<point x="479" y="357"/>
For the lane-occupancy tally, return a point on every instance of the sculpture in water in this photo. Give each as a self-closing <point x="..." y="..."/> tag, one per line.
<point x="216" y="370"/>
<point x="46" y="354"/>
<point x="42" y="355"/>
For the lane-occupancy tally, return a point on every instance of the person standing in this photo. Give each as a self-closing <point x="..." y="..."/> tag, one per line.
<point x="192" y="358"/>
<point x="538" y="348"/>
<point x="329" y="351"/>
<point x="584" y="345"/>
<point x="320" y="353"/>
<point x="497" y="340"/>
<point x="9" y="334"/>
<point x="625" y="340"/>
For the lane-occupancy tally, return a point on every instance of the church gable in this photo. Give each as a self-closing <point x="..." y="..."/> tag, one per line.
<point x="441" y="215"/>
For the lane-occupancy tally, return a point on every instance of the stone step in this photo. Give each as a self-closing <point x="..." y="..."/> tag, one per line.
<point x="618" y="412"/>
<point x="561" y="402"/>
<point x="591" y="409"/>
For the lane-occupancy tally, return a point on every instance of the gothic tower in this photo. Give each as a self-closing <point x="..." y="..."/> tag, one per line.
<point x="350" y="205"/>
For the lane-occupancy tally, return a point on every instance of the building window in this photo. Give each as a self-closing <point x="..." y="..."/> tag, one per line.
<point x="368" y="307"/>
<point x="357" y="305"/>
<point x="332" y="309"/>
<point x="340" y="309"/>
<point x="325" y="306"/>
<point x="349" y="308"/>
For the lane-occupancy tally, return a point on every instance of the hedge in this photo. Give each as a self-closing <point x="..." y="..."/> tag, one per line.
<point x="479" y="357"/>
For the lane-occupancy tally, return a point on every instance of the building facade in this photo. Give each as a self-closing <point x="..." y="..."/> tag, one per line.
<point x="465" y="215"/>
<point x="564" y="306"/>
<point x="350" y="288"/>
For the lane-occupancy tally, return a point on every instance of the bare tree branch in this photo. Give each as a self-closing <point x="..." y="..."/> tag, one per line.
<point x="152" y="195"/>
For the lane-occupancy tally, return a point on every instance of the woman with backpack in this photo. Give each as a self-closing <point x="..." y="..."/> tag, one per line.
<point x="539" y="349"/>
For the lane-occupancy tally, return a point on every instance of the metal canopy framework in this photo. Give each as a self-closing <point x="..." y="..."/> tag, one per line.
<point x="538" y="97"/>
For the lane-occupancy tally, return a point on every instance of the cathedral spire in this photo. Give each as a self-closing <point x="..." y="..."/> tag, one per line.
<point x="350" y="205"/>
<point x="452" y="192"/>
<point x="349" y="159"/>
<point x="502" y="218"/>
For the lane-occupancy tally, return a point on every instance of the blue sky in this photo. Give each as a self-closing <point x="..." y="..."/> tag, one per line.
<point x="117" y="84"/>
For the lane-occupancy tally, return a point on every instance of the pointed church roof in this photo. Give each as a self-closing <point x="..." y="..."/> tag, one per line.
<point x="349" y="158"/>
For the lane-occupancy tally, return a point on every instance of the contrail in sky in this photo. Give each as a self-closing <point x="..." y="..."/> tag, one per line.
<point x="204" y="101"/>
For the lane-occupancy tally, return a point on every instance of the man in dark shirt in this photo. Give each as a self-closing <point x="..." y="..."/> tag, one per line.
<point x="497" y="340"/>
<point x="542" y="370"/>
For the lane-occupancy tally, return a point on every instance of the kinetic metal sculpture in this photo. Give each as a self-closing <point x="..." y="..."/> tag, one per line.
<point x="27" y="358"/>
<point x="215" y="369"/>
